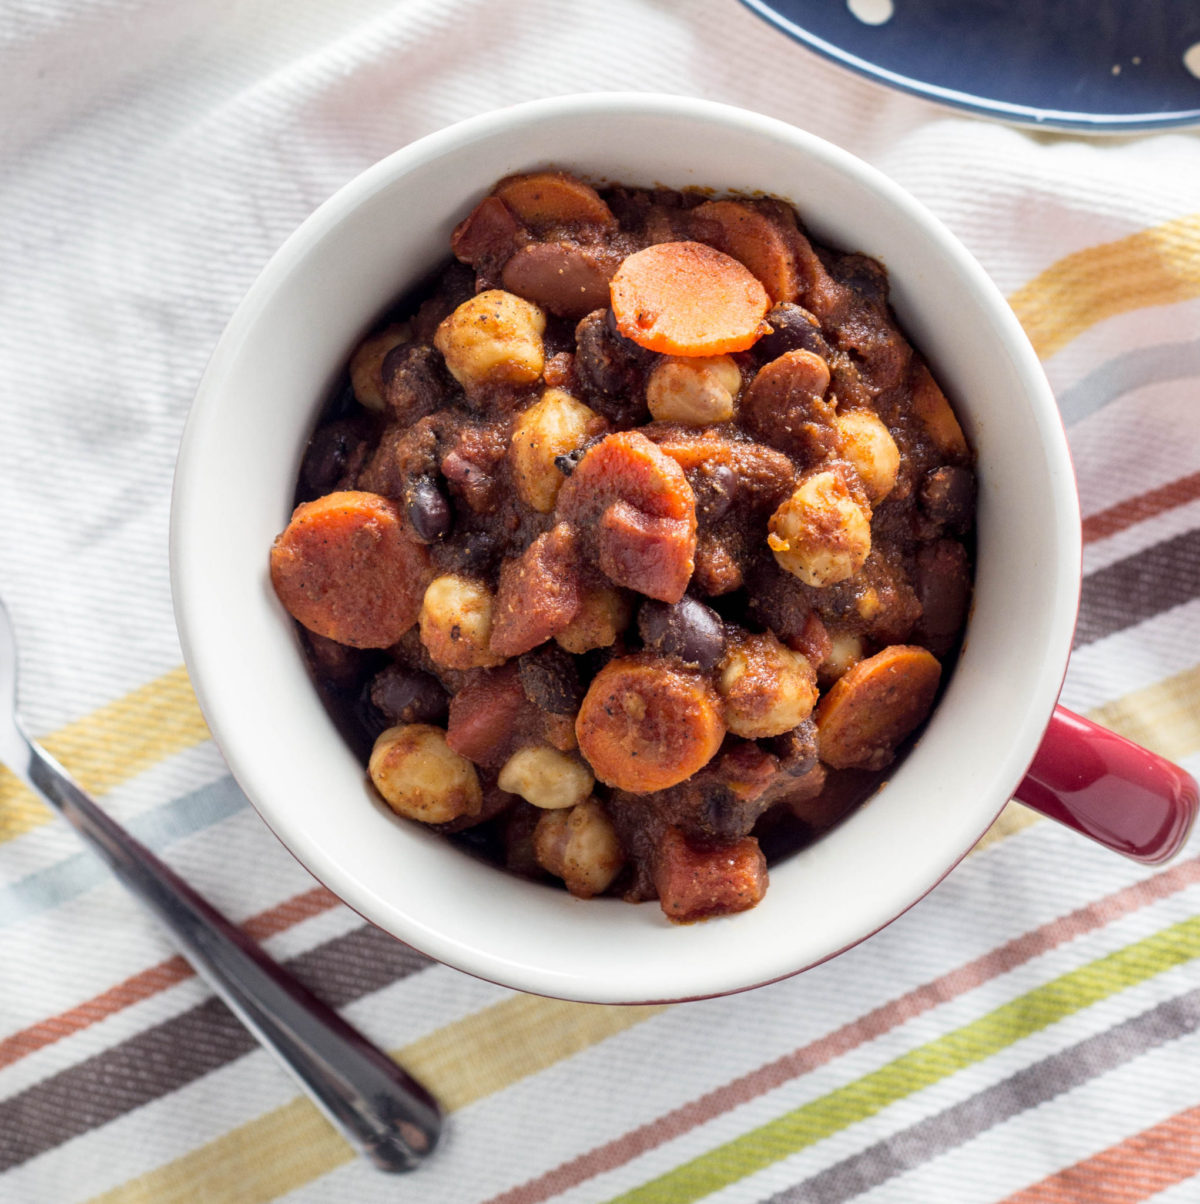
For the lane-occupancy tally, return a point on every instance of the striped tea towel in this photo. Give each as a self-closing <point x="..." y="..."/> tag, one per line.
<point x="1027" y="1033"/>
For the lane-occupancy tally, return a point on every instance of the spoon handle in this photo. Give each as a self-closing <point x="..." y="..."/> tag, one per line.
<point x="380" y="1110"/>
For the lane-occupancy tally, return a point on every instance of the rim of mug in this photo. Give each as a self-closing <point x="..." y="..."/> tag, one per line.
<point x="217" y="687"/>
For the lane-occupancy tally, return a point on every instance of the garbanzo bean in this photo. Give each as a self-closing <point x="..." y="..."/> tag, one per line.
<point x="553" y="426"/>
<point x="421" y="777"/>
<point x="869" y="446"/>
<point x="822" y="533"/>
<point x="767" y="688"/>
<point x="495" y="338"/>
<point x="456" y="622"/>
<point x="695" y="390"/>
<point x="545" y="777"/>
<point x="579" y="846"/>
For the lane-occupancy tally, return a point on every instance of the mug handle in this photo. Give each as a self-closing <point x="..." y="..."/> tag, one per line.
<point x="1109" y="789"/>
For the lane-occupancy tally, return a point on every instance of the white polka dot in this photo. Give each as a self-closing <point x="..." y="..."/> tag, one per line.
<point x="871" y="12"/>
<point x="1191" y="59"/>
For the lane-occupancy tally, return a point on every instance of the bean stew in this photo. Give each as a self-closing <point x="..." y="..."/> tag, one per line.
<point x="632" y="549"/>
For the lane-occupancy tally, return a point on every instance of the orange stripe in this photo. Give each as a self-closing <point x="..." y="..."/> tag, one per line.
<point x="154" y="979"/>
<point x="766" y="1078"/>
<point x="1129" y="1172"/>
<point x="1139" y="509"/>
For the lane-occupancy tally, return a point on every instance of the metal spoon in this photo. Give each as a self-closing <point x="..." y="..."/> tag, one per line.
<point x="378" y="1108"/>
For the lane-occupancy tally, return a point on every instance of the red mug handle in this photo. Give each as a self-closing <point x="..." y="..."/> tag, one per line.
<point x="1109" y="789"/>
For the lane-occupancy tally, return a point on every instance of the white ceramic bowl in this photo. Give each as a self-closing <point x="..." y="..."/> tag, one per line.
<point x="255" y="409"/>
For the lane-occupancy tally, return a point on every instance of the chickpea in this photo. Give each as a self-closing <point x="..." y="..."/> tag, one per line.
<point x="546" y="777"/>
<point x="495" y="338"/>
<point x="421" y="777"/>
<point x="579" y="846"/>
<point x="456" y="622"/>
<point x="551" y="427"/>
<point x="366" y="365"/>
<point x="603" y="614"/>
<point x="696" y="390"/>
<point x="767" y="688"/>
<point x="846" y="650"/>
<point x="869" y="446"/>
<point x="822" y="533"/>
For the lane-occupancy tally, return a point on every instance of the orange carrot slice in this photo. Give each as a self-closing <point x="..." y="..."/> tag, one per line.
<point x="687" y="298"/>
<point x="551" y="198"/>
<point x="347" y="568"/>
<point x="874" y="705"/>
<point x="752" y="238"/>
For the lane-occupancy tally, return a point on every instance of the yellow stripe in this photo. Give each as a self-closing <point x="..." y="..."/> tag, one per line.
<point x="461" y="1063"/>
<point x="111" y="745"/>
<point x="1164" y="717"/>
<point x="1158" y="266"/>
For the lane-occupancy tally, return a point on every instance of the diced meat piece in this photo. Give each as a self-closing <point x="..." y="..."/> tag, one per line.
<point x="484" y="714"/>
<point x="347" y="568"/>
<point x="696" y="882"/>
<point x="539" y="593"/>
<point x="563" y="277"/>
<point x="645" y="725"/>
<point x="785" y="406"/>
<point x="943" y="587"/>
<point x="636" y="511"/>
<point x="750" y="476"/>
<point x="874" y="705"/>
<point x="470" y="466"/>
<point x="487" y="237"/>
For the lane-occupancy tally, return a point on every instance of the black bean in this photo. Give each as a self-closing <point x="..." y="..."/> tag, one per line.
<point x="793" y="328"/>
<point x="335" y="449"/>
<point x="428" y="510"/>
<point x="947" y="496"/>
<point x="689" y="630"/>
<point x="550" y="679"/>
<point x="715" y="486"/>
<point x="406" y="695"/>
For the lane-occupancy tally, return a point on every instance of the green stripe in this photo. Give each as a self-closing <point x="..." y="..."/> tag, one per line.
<point x="922" y="1067"/>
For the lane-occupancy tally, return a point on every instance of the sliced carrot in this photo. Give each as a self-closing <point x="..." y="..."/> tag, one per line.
<point x="933" y="409"/>
<point x="687" y="298"/>
<point x="645" y="725"/>
<point x="347" y="568"/>
<point x="757" y="241"/>
<point x="874" y="705"/>
<point x="553" y="198"/>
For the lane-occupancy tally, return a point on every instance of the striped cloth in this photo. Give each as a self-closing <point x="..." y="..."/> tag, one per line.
<point x="1027" y="1033"/>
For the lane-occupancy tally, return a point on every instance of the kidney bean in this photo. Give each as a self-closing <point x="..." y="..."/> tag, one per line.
<point x="793" y="328"/>
<point x="715" y="486"/>
<point x="550" y="679"/>
<point x="429" y="511"/>
<point x="947" y="495"/>
<point x="409" y="696"/>
<point x="689" y="630"/>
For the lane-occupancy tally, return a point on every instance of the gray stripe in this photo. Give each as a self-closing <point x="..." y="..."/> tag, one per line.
<point x="177" y="1051"/>
<point x="1139" y="587"/>
<point x="1063" y="1071"/>
<point x="157" y="829"/>
<point x="1116" y="377"/>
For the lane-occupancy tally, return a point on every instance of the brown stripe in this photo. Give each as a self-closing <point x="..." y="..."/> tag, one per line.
<point x="766" y="1078"/>
<point x="1139" y="509"/>
<point x="1128" y="1172"/>
<point x="177" y="1051"/>
<point x="152" y="980"/>
<point x="1139" y="587"/>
